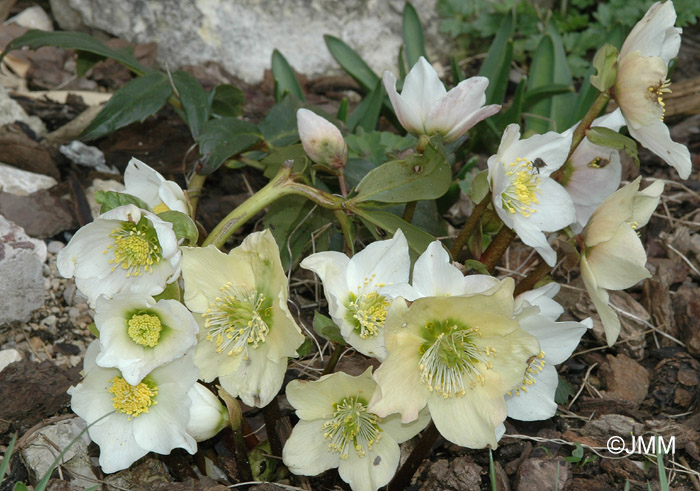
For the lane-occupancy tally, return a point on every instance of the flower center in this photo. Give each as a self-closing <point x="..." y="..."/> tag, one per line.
<point x="160" y="208"/>
<point x="133" y="399"/>
<point x="352" y="424"/>
<point x="367" y="313"/>
<point x="535" y="366"/>
<point x="144" y="329"/>
<point x="237" y="320"/>
<point x="450" y="358"/>
<point x="521" y="193"/>
<point x="659" y="91"/>
<point x="136" y="248"/>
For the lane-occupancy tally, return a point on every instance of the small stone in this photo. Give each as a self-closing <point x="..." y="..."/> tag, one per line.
<point x="55" y="246"/>
<point x="74" y="360"/>
<point x="50" y="323"/>
<point x="32" y="18"/>
<point x="87" y="156"/>
<point x="460" y="473"/>
<point x="21" y="182"/>
<point x="8" y="356"/>
<point x="69" y="293"/>
<point x="11" y="111"/>
<point x="539" y="474"/>
<point x="624" y="378"/>
<point x="73" y="314"/>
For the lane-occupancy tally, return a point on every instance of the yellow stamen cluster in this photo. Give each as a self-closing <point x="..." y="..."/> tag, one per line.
<point x="535" y="366"/>
<point x="451" y="357"/>
<point x="133" y="400"/>
<point x="235" y="320"/>
<point x="136" y="248"/>
<point x="521" y="193"/>
<point x="367" y="312"/>
<point x="144" y="329"/>
<point x="352" y="424"/>
<point x="659" y="91"/>
<point x="160" y="208"/>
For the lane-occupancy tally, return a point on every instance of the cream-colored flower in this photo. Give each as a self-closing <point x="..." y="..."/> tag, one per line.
<point x="124" y="250"/>
<point x="150" y="416"/>
<point x="207" y="415"/>
<point x="613" y="257"/>
<point x="356" y="289"/>
<point x="642" y="83"/>
<point x="457" y="355"/>
<point x="138" y="334"/>
<point x="247" y="332"/>
<point x="337" y="430"/>
<point x="424" y="107"/>
<point x="148" y="184"/>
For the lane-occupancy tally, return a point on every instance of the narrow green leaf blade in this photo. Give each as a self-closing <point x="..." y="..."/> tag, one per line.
<point x="285" y="80"/>
<point x="366" y="115"/>
<point x="541" y="75"/>
<point x="134" y="102"/>
<point x="412" y="35"/>
<point x="352" y="63"/>
<point x="496" y="66"/>
<point x="194" y="100"/>
<point x="224" y="138"/>
<point x="561" y="114"/>
<point x="544" y="92"/>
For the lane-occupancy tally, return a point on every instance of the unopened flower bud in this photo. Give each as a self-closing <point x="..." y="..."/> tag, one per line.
<point x="322" y="141"/>
<point x="207" y="415"/>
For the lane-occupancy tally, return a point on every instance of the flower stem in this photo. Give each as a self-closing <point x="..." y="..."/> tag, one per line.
<point x="469" y="227"/>
<point x="333" y="360"/>
<point x="402" y="479"/>
<point x="346" y="230"/>
<point x="409" y="211"/>
<point x="271" y="415"/>
<point x="341" y="182"/>
<point x="531" y="279"/>
<point x="497" y="248"/>
<point x="194" y="191"/>
<point x="588" y="118"/>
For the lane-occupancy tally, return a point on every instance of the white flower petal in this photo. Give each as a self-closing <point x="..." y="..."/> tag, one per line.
<point x="383" y="261"/>
<point x="600" y="300"/>
<point x="538" y="402"/>
<point x="407" y="113"/>
<point x="306" y="451"/>
<point x="655" y="35"/>
<point x="533" y="237"/>
<point x="619" y="262"/>
<point x="257" y="379"/>
<point x="422" y="88"/>
<point x="401" y="432"/>
<point x="375" y="469"/>
<point x="657" y="138"/>
<point x="434" y="275"/>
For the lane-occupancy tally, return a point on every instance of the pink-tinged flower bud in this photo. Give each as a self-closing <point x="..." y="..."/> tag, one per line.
<point x="322" y="141"/>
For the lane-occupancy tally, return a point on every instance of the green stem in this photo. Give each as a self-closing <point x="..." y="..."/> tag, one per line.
<point x="497" y="248"/>
<point x="469" y="227"/>
<point x="333" y="360"/>
<point x="531" y="279"/>
<point x="341" y="182"/>
<point x="344" y="223"/>
<point x="402" y="479"/>
<point x="409" y="211"/>
<point x="271" y="415"/>
<point x="194" y="191"/>
<point x="588" y="118"/>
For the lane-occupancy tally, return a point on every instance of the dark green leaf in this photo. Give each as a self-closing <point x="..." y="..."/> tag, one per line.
<point x="496" y="66"/>
<point x="515" y="110"/>
<point x="194" y="100"/>
<point x="306" y="347"/>
<point x="183" y="226"/>
<point x="342" y="114"/>
<point x="606" y="137"/>
<point x="418" y="240"/>
<point x="457" y="75"/>
<point x="135" y="101"/>
<point x="418" y="177"/>
<point x="280" y="125"/>
<point x="326" y="328"/>
<point x="285" y="80"/>
<point x="279" y="155"/>
<point x="564" y="391"/>
<point x="546" y="91"/>
<point x="80" y="41"/>
<point x="223" y="138"/>
<point x="110" y="200"/>
<point x="478" y="266"/>
<point x="226" y="101"/>
<point x="366" y="114"/>
<point x="352" y="63"/>
<point x="171" y="292"/>
<point x="86" y="61"/>
<point x="20" y="486"/>
<point x="412" y="35"/>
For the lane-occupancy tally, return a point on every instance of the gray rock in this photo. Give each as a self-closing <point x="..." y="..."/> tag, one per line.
<point x="40" y="214"/>
<point x="21" y="182"/>
<point x="87" y="156"/>
<point x="21" y="280"/>
<point x="460" y="473"/>
<point x="241" y="35"/>
<point x="541" y="474"/>
<point x="11" y="111"/>
<point x="55" y="246"/>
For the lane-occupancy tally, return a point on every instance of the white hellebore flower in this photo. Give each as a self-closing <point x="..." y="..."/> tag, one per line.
<point x="613" y="257"/>
<point x="524" y="196"/>
<point x="149" y="185"/>
<point x="207" y="415"/>
<point x="593" y="172"/>
<point x="150" y="416"/>
<point x="322" y="141"/>
<point x="424" y="107"/>
<point x="354" y="288"/>
<point x="138" y="334"/>
<point x="248" y="332"/>
<point x="641" y="83"/>
<point x="537" y="312"/>
<point x="337" y="430"/>
<point x="457" y="355"/>
<point x="124" y="250"/>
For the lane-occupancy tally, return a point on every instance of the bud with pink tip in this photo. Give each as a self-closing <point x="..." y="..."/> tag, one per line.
<point x="322" y="141"/>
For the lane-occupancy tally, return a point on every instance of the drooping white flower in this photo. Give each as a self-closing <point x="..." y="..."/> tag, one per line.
<point x="537" y="311"/>
<point x="124" y="250"/>
<point x="149" y="185"/>
<point x="138" y="334"/>
<point x="424" y="107"/>
<point x="248" y="332"/>
<point x="207" y="415"/>
<point x="354" y="288"/>
<point x="613" y="257"/>
<point x="322" y="141"/>
<point x="150" y="416"/>
<point x="642" y="83"/>
<point x="337" y="430"/>
<point x="525" y="198"/>
<point x="593" y="172"/>
<point x="457" y="355"/>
